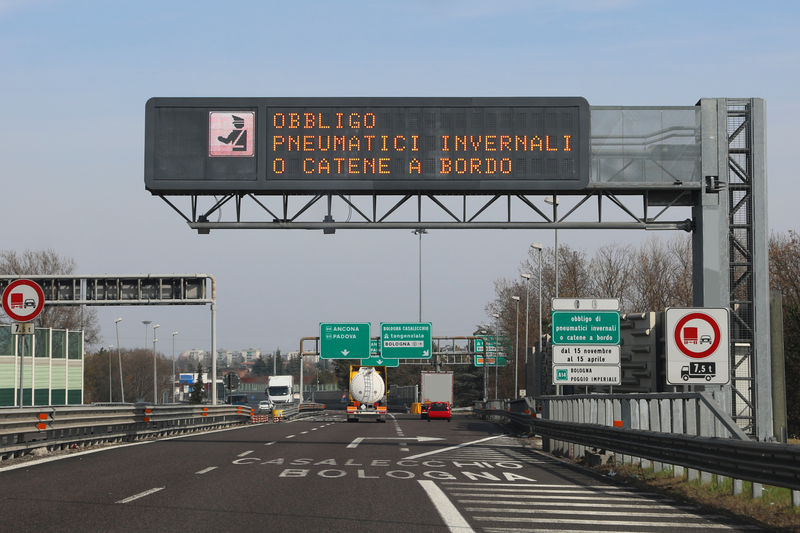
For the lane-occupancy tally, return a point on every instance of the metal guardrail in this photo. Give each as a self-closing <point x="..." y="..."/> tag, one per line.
<point x="23" y="430"/>
<point x="625" y="424"/>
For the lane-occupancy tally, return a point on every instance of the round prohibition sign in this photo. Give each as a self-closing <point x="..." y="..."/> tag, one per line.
<point x="23" y="300"/>
<point x="708" y="320"/>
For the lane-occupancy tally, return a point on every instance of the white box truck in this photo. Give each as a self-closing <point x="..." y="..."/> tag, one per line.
<point x="436" y="387"/>
<point x="279" y="389"/>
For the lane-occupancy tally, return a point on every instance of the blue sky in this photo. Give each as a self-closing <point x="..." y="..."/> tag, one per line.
<point x="75" y="77"/>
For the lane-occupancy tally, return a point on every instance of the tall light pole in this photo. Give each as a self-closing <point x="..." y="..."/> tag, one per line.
<point x="485" y="332"/>
<point x="516" y="356"/>
<point x="539" y="247"/>
<point x="553" y="200"/>
<point x="110" y="395"/>
<point x="527" y="277"/>
<point x="155" y="371"/>
<point x="119" y="356"/>
<point x="420" y="232"/>
<point x="495" y="315"/>
<point x="173" y="365"/>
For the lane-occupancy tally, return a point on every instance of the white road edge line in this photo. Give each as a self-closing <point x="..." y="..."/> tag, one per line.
<point x="245" y="453"/>
<point x="206" y="470"/>
<point x="452" y="518"/>
<point x="140" y="495"/>
<point x="454" y="447"/>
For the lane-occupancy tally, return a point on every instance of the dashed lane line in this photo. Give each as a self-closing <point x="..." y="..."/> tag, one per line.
<point x="206" y="470"/>
<point x="140" y="495"/>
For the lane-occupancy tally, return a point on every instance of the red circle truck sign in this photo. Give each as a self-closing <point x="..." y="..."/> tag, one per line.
<point x="23" y="300"/>
<point x="698" y="346"/>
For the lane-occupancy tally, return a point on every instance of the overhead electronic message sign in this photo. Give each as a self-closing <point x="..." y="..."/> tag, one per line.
<point x="366" y="145"/>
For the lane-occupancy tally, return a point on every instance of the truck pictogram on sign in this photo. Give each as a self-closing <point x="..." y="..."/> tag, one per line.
<point x="23" y="300"/>
<point x="698" y="346"/>
<point x="699" y="370"/>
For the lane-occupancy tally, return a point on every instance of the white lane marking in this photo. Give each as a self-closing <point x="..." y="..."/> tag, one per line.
<point x="574" y="488"/>
<point x="452" y="518"/>
<point x="303" y="432"/>
<point x="140" y="495"/>
<point x="594" y="513"/>
<point x="245" y="453"/>
<point x="454" y="447"/>
<point x="290" y="437"/>
<point x="206" y="470"/>
<point x="404" y="449"/>
<point x="314" y="429"/>
<point x="269" y="443"/>
<point x="359" y="440"/>
<point x="680" y="526"/>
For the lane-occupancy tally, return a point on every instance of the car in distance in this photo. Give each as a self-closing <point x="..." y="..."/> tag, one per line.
<point x="265" y="406"/>
<point x="439" y="410"/>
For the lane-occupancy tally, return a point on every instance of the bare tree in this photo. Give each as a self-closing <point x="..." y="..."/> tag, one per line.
<point x="680" y="248"/>
<point x="651" y="277"/>
<point x="784" y="266"/>
<point x="611" y="269"/>
<point x="45" y="263"/>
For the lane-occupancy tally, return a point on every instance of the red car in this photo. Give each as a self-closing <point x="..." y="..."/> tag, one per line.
<point x="439" y="410"/>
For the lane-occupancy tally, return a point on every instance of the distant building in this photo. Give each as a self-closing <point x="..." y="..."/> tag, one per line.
<point x="194" y="355"/>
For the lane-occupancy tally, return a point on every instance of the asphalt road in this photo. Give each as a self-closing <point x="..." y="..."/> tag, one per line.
<point x="324" y="474"/>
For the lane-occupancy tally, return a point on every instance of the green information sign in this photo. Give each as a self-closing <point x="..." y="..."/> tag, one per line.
<point x="374" y="347"/>
<point x="586" y="327"/>
<point x="495" y="351"/>
<point x="380" y="361"/>
<point x="406" y="341"/>
<point x="344" y="341"/>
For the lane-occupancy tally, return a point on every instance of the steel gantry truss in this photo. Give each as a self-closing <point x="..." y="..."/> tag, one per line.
<point x="601" y="206"/>
<point x="746" y="231"/>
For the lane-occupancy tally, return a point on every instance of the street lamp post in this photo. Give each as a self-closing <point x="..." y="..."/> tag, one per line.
<point x="516" y="352"/>
<point x="553" y="200"/>
<point x="527" y="277"/>
<point x="485" y="332"/>
<point x="495" y="360"/>
<point x="541" y="359"/>
<point x="155" y="371"/>
<point x="119" y="356"/>
<point x="173" y="365"/>
<point x="420" y="232"/>
<point x="110" y="394"/>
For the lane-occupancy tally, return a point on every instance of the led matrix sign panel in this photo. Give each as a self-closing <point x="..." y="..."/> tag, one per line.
<point x="365" y="145"/>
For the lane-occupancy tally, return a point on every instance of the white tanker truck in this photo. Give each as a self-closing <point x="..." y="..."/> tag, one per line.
<point x="367" y="393"/>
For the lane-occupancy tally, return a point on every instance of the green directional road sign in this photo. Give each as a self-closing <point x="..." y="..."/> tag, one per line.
<point x="374" y="347"/>
<point x="406" y="341"/>
<point x="344" y="341"/>
<point x="380" y="361"/>
<point x="495" y="350"/>
<point x="586" y="327"/>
